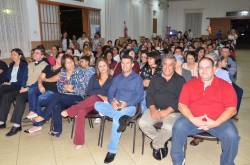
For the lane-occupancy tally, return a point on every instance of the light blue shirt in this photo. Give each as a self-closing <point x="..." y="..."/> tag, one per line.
<point x="223" y="74"/>
<point x="14" y="74"/>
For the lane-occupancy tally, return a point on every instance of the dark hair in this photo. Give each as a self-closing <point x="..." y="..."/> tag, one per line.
<point x="107" y="52"/>
<point x="115" y="48"/>
<point x="73" y="51"/>
<point x="19" y="52"/>
<point x="199" y="49"/>
<point x="56" y="46"/>
<point x="76" y="58"/>
<point x="126" y="56"/>
<point x="98" y="75"/>
<point x="208" y="59"/>
<point x="86" y="58"/>
<point x="41" y="48"/>
<point x="178" y="47"/>
<point x="192" y="53"/>
<point x="64" y="57"/>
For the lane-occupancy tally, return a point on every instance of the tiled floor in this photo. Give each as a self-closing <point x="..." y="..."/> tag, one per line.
<point x="42" y="149"/>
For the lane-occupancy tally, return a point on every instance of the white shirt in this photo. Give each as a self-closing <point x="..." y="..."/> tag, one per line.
<point x="14" y="74"/>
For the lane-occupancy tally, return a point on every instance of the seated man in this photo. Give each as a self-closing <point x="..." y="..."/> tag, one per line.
<point x="207" y="103"/>
<point x="162" y="103"/>
<point x="125" y="92"/>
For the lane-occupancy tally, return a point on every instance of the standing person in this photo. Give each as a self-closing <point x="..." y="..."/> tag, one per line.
<point x="162" y="102"/>
<point x="81" y="40"/>
<point x="97" y="91"/>
<point x="65" y="41"/>
<point x="207" y="104"/>
<point x="232" y="36"/>
<point x="125" y="92"/>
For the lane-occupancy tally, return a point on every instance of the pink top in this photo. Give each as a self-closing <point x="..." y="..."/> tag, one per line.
<point x="51" y="60"/>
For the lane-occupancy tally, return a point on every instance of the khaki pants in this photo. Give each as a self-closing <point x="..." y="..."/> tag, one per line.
<point x="159" y="137"/>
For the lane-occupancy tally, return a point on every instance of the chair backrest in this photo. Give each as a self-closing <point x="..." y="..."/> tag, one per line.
<point x="138" y="112"/>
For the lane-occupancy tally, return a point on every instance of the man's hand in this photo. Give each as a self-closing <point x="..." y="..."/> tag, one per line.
<point x="22" y="90"/>
<point x="115" y="104"/>
<point x="1" y="71"/>
<point x="146" y="83"/>
<point x="155" y="114"/>
<point x="199" y="122"/>
<point x="122" y="104"/>
<point x="210" y="123"/>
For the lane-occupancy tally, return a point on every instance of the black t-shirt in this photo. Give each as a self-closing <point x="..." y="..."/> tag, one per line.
<point x="50" y="72"/>
<point x="4" y="67"/>
<point x="163" y="93"/>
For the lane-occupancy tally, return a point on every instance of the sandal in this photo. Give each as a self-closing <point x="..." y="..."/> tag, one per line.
<point x="33" y="129"/>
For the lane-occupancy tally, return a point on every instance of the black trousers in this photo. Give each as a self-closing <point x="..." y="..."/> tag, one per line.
<point x="6" y="99"/>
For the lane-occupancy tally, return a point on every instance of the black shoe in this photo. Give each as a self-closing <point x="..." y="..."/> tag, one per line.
<point x="13" y="131"/>
<point x="164" y="151"/>
<point x="157" y="154"/>
<point x="109" y="157"/>
<point x="3" y="126"/>
<point x="123" y="122"/>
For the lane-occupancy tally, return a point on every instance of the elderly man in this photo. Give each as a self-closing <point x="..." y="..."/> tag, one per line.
<point x="207" y="104"/>
<point x="162" y="103"/>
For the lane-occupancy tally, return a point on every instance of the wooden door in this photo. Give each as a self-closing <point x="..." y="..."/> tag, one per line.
<point x="223" y="24"/>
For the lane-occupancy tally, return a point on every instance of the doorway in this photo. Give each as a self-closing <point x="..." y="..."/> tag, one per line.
<point x="71" y="20"/>
<point x="242" y="27"/>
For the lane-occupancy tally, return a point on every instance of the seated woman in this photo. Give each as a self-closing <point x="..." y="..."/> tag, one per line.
<point x="17" y="76"/>
<point x="72" y="84"/>
<point x="97" y="91"/>
<point x="151" y="68"/>
<point x="39" y="96"/>
<point x="112" y="63"/>
<point x="191" y="63"/>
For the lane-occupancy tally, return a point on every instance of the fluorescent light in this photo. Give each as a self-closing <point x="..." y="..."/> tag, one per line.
<point x="244" y="13"/>
<point x="7" y="11"/>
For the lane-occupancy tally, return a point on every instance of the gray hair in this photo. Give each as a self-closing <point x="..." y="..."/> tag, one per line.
<point x="168" y="56"/>
<point x="215" y="57"/>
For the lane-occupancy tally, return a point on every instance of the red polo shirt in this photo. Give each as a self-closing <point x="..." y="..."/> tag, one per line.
<point x="212" y="101"/>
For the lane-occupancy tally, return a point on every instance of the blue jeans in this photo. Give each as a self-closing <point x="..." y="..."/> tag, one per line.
<point x="226" y="132"/>
<point x="143" y="103"/>
<point x="33" y="94"/>
<point x="37" y="100"/>
<point x="106" y="109"/>
<point x="57" y="105"/>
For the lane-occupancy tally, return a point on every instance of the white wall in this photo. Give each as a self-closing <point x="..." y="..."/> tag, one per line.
<point x="138" y="15"/>
<point x="209" y="8"/>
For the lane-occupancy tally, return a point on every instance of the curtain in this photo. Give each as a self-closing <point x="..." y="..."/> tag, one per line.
<point x="193" y="21"/>
<point x="13" y="27"/>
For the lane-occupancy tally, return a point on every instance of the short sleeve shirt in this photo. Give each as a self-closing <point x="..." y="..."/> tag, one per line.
<point x="212" y="100"/>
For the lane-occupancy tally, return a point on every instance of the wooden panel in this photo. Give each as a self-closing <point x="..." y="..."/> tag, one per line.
<point x="155" y="25"/>
<point x="223" y="24"/>
<point x="85" y="20"/>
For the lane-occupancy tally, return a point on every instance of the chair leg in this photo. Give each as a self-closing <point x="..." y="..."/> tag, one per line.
<point x="73" y="127"/>
<point x="143" y="142"/>
<point x="185" y="149"/>
<point x="103" y="126"/>
<point x="134" y="138"/>
<point x="91" y="122"/>
<point x="100" y="133"/>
